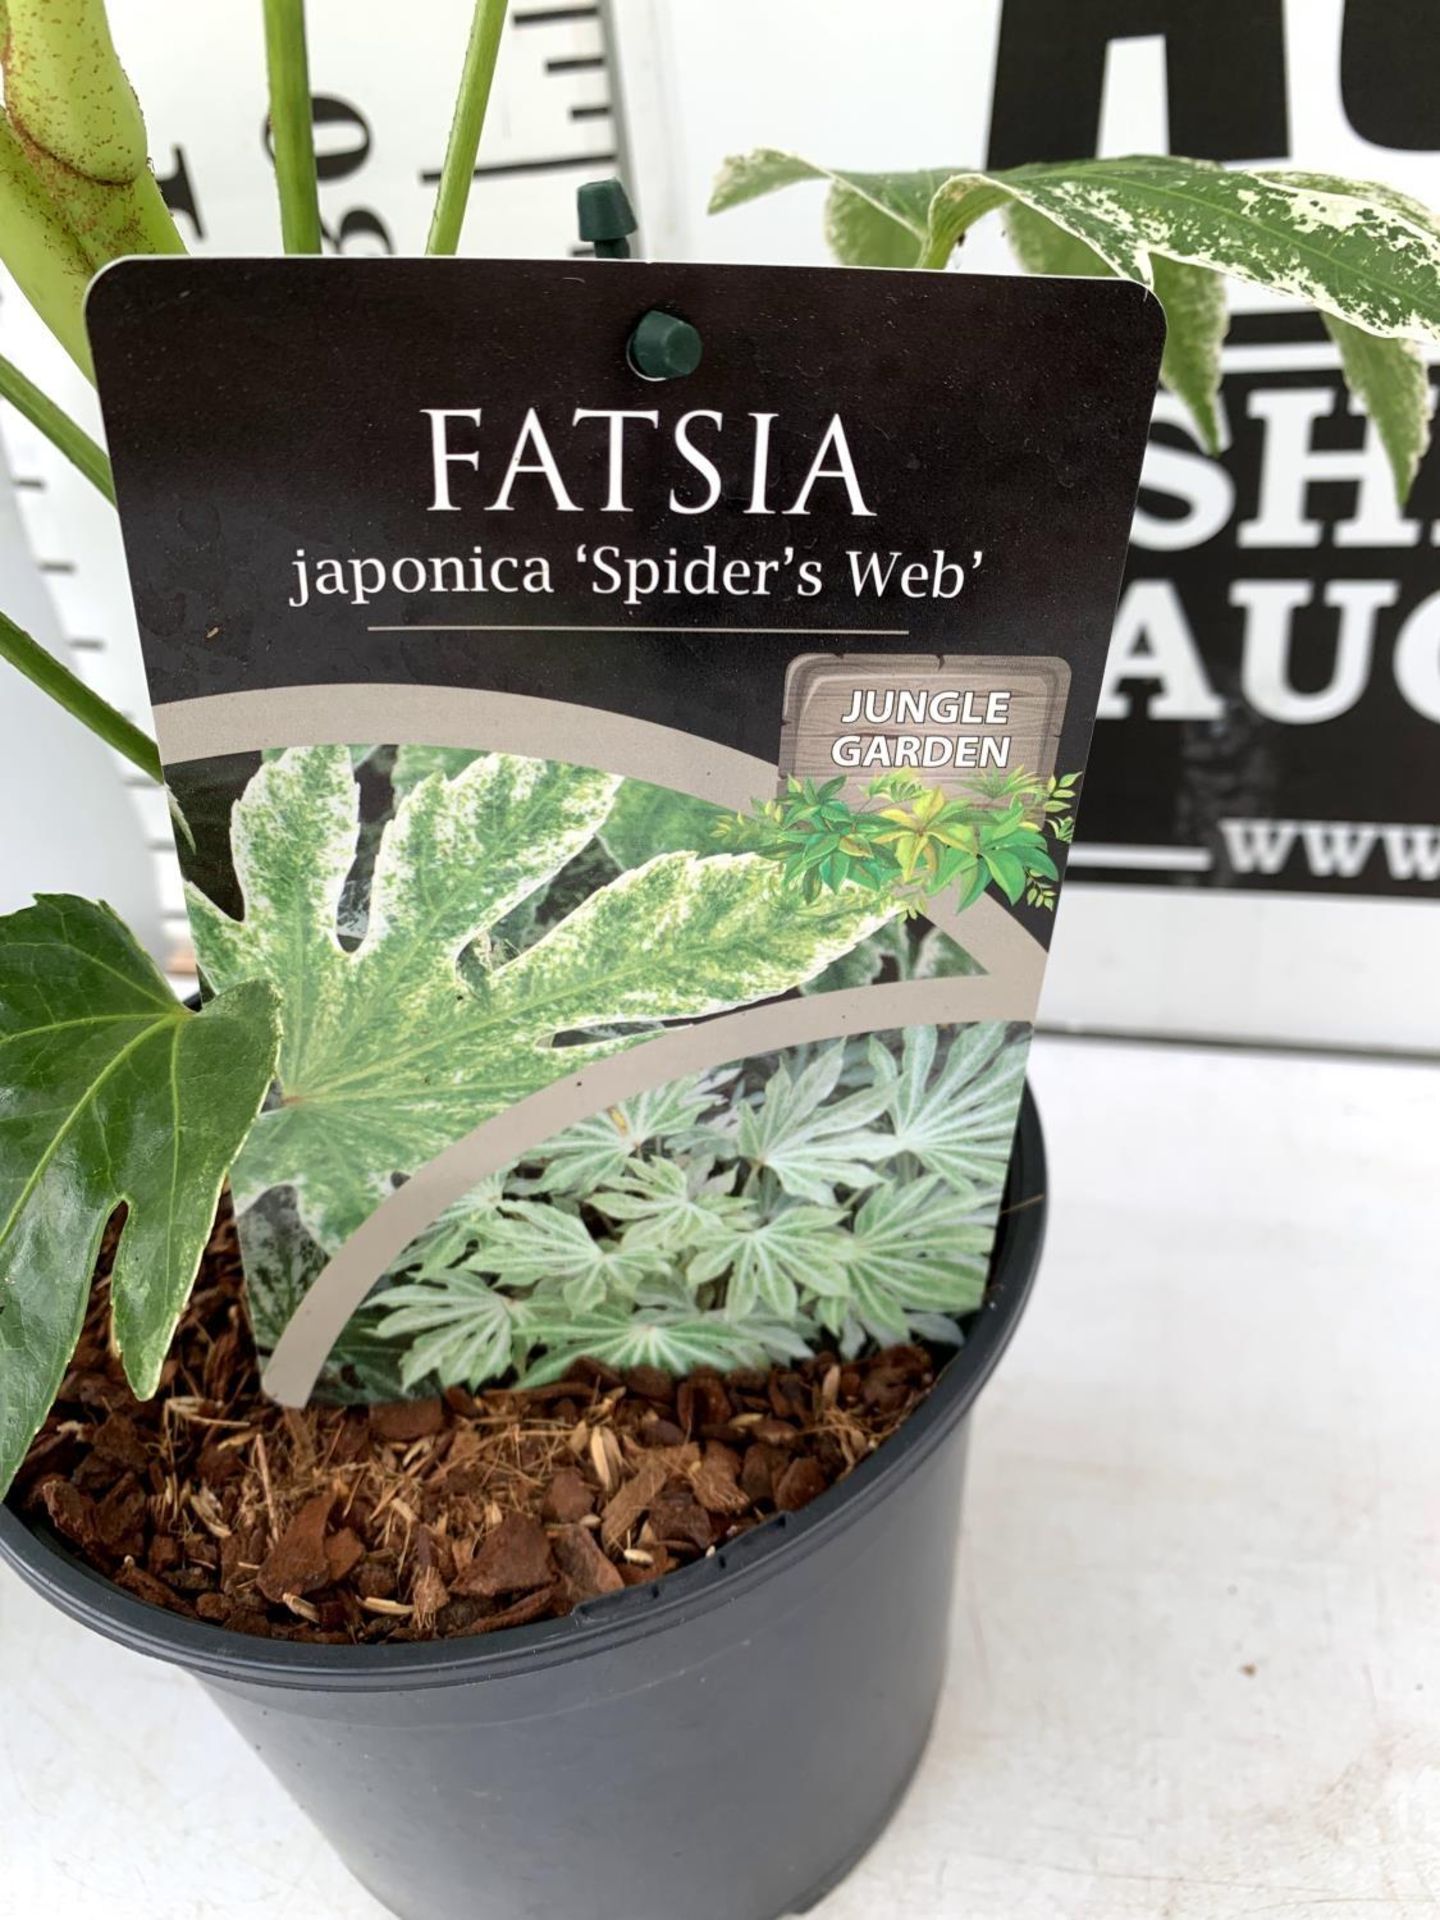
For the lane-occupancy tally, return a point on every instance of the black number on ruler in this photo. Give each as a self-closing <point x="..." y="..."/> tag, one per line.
<point x="366" y="229"/>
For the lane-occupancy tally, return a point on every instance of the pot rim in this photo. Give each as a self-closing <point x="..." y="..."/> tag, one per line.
<point x="88" y="1596"/>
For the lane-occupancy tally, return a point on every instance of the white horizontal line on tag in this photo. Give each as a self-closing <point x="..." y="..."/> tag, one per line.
<point x="514" y="626"/>
<point x="1158" y="859"/>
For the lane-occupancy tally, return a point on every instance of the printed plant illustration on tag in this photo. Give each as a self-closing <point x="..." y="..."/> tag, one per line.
<point x="913" y="843"/>
<point x="837" y="1194"/>
<point x="432" y="981"/>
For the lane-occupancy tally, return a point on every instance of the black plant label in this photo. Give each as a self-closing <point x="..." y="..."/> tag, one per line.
<point x="693" y="758"/>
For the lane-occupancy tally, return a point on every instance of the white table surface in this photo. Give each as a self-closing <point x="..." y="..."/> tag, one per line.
<point x="1196" y="1669"/>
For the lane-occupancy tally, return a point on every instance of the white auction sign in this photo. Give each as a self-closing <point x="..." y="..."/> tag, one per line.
<point x="1258" y="855"/>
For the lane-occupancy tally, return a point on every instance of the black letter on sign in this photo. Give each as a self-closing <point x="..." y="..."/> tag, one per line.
<point x="1387" y="73"/>
<point x="1225" y="64"/>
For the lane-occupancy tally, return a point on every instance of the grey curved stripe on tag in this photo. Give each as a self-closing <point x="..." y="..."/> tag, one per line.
<point x="304" y="1346"/>
<point x="362" y="712"/>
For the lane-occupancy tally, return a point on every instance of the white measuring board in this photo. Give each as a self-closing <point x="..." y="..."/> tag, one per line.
<point x="382" y="117"/>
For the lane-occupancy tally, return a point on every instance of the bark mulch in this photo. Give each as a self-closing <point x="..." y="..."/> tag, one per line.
<point x="434" y="1518"/>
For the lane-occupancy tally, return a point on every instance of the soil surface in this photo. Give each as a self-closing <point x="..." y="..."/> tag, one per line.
<point x="433" y="1518"/>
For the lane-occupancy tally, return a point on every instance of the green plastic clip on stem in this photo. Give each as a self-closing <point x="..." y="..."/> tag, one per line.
<point x="607" y="218"/>
<point x="663" y="346"/>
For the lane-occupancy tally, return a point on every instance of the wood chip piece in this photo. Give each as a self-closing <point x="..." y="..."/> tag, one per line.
<point x="800" y="1483"/>
<point x="532" y="1606"/>
<point x="586" y="1569"/>
<point x="428" y="1595"/>
<point x="404" y="1421"/>
<point x="297" y="1562"/>
<point x="514" y="1558"/>
<point x="567" y="1498"/>
<point x="627" y="1507"/>
<point x="343" y="1553"/>
<point x="716" y="1479"/>
<point x="678" y="1517"/>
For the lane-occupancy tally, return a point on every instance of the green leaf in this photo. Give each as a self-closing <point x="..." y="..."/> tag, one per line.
<point x="675" y="1339"/>
<point x="810" y="1141"/>
<point x="282" y="1263"/>
<point x="1006" y="871"/>
<point x="718" y="1246"/>
<point x="646" y="820"/>
<point x="1392" y="382"/>
<point x="771" y="1263"/>
<point x="532" y="1241"/>
<point x="389" y="1054"/>
<point x="602" y="1147"/>
<point x="1196" y="317"/>
<point x="1196" y="322"/>
<point x="871" y="219"/>
<point x="415" y="763"/>
<point x="461" y="1331"/>
<point x="112" y="1094"/>
<point x="958" y="1122"/>
<point x="917" y="1247"/>
<point x="668" y="1207"/>
<point x="1042" y="247"/>
<point x="1347" y="248"/>
<point x="718" y="933"/>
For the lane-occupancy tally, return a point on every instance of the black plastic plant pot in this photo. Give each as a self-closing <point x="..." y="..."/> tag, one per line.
<point x="724" y="1744"/>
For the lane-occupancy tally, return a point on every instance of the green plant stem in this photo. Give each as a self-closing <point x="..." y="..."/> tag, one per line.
<point x="76" y="117"/>
<point x="57" y="426"/>
<point x="41" y="666"/>
<point x="486" y="26"/>
<point x="291" y="125"/>
<point x="50" y="266"/>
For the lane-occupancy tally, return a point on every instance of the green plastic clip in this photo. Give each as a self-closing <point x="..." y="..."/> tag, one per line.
<point x="607" y="218"/>
<point x="664" y="347"/>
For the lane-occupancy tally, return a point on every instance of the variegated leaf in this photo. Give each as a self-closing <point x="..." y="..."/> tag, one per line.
<point x="811" y="1141"/>
<point x="389" y="1055"/>
<point x="1364" y="254"/>
<point x="675" y="1339"/>
<point x="1392" y="382"/>
<point x="958" y="1122"/>
<point x="771" y="1263"/>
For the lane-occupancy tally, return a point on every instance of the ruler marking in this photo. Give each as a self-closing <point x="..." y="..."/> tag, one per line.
<point x="545" y="16"/>
<point x="601" y="112"/>
<point x="576" y="63"/>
